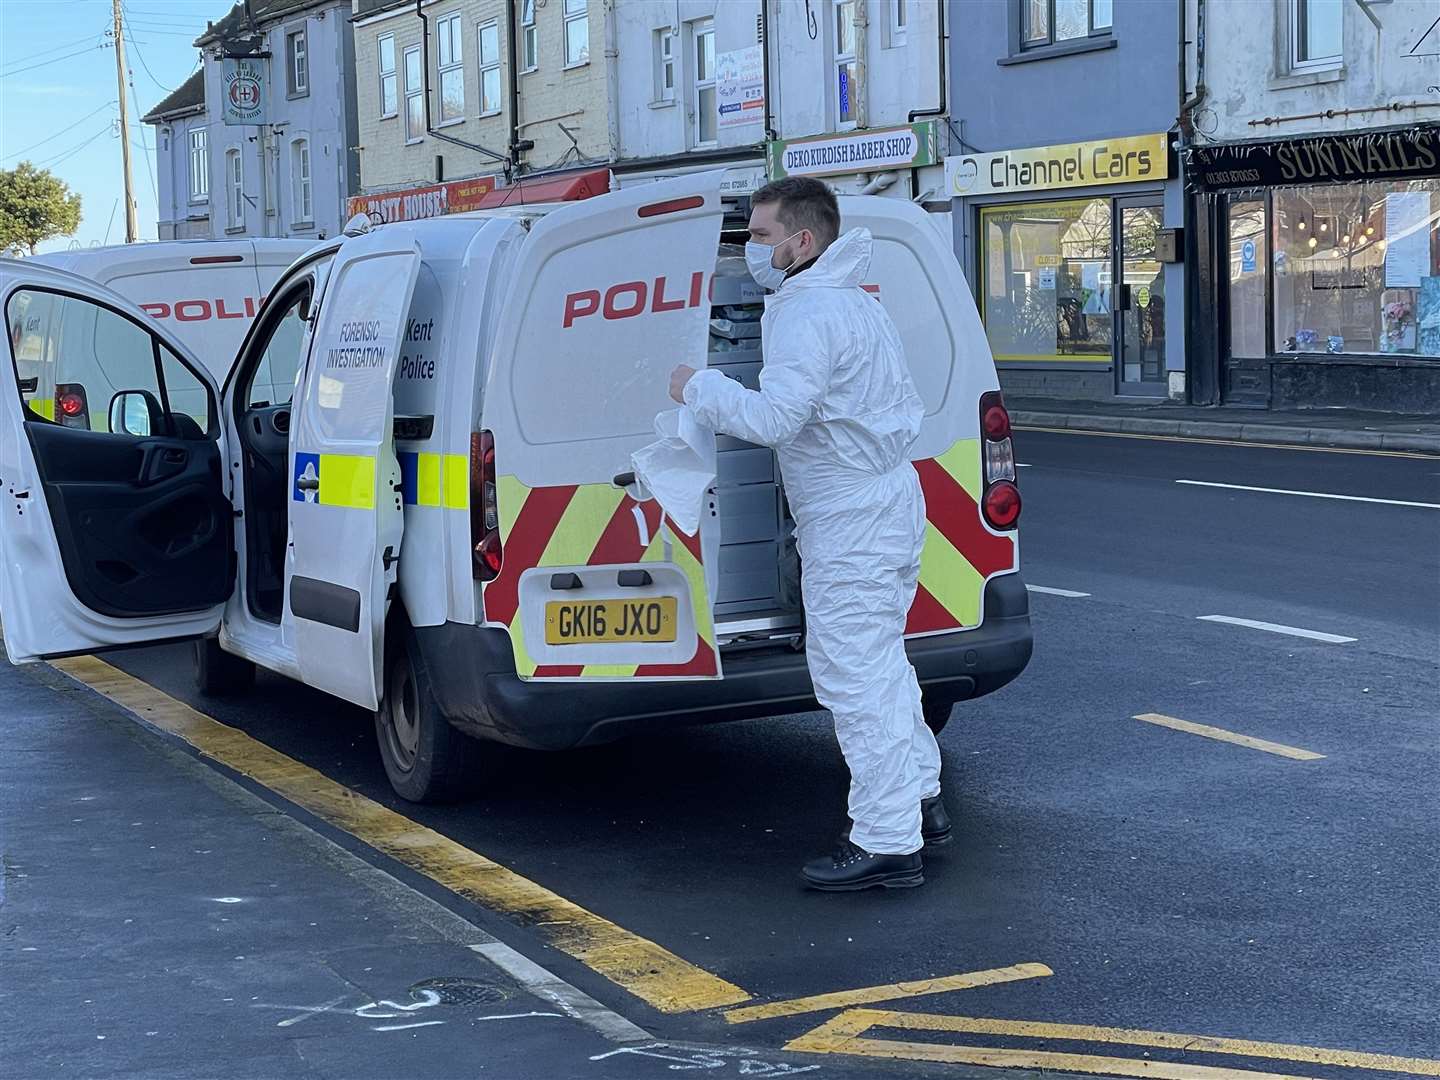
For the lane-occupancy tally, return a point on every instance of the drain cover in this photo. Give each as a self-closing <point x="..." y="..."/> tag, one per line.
<point x="460" y="991"/>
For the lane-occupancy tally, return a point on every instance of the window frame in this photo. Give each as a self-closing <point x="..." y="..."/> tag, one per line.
<point x="297" y="62"/>
<point x="1093" y="32"/>
<point x="393" y="74"/>
<point x="449" y="31"/>
<point x="413" y="93"/>
<point x="897" y="21"/>
<point x="1298" y="12"/>
<point x="529" y="39"/>
<point x="839" y="61"/>
<point x="664" y="65"/>
<point x="198" y="143"/>
<point x="700" y="29"/>
<point x="581" y="14"/>
<point x="302" y="189"/>
<point x="234" y="190"/>
<point x="486" y="67"/>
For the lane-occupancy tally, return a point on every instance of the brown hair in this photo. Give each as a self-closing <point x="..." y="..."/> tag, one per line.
<point x="805" y="203"/>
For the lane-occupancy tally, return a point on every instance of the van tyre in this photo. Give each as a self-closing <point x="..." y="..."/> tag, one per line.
<point x="937" y="714"/>
<point x="220" y="674"/>
<point x="426" y="759"/>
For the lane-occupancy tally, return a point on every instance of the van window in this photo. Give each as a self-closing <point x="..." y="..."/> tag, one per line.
<point x="274" y="379"/>
<point x="73" y="356"/>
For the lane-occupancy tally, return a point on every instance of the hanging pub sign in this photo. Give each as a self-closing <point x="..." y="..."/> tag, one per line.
<point x="242" y="91"/>
<point x="1399" y="154"/>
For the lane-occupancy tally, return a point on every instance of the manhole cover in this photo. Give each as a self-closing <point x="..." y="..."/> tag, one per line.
<point x="460" y="991"/>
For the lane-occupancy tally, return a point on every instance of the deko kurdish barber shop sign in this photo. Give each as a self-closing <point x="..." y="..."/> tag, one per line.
<point x="872" y="150"/>
<point x="1128" y="160"/>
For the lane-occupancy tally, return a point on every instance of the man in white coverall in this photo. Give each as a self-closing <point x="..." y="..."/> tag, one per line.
<point x="837" y="404"/>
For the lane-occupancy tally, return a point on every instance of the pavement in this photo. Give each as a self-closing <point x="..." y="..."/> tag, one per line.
<point x="1196" y="840"/>
<point x="1348" y="428"/>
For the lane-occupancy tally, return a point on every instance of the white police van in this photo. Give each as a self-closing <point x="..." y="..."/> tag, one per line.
<point x="438" y="526"/>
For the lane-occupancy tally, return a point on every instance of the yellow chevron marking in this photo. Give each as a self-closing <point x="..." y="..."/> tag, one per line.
<point x="579" y="528"/>
<point x="512" y="495"/>
<point x="962" y="462"/>
<point x="948" y="576"/>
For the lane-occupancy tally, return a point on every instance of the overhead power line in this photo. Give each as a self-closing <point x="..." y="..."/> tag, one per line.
<point x="62" y="131"/>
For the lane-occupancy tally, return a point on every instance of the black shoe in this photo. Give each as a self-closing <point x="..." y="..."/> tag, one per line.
<point x="849" y="868"/>
<point x="934" y="821"/>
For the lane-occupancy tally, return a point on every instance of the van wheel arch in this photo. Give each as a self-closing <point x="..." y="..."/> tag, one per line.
<point x="426" y="759"/>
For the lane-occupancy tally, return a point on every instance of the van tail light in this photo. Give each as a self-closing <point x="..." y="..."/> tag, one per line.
<point x="487" y="552"/>
<point x="1001" y="501"/>
<point x="71" y="407"/>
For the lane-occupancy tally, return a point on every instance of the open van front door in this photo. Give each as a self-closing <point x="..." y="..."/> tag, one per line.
<point x="346" y="514"/>
<point x="115" y="527"/>
<point x="608" y="296"/>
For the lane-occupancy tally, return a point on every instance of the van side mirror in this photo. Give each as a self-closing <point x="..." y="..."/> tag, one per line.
<point x="136" y="412"/>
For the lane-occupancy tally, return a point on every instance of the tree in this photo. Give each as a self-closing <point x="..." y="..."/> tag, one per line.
<point x="35" y="205"/>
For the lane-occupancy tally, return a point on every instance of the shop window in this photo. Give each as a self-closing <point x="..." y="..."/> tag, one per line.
<point x="1055" y="22"/>
<point x="1048" y="274"/>
<point x="1357" y="268"/>
<point x="1316" y="31"/>
<point x="846" y="69"/>
<point x="1249" y="258"/>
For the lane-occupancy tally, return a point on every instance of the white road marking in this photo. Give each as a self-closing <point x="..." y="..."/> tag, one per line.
<point x="1311" y="494"/>
<point x="1277" y="628"/>
<point x="1055" y="592"/>
<point x="1022" y="465"/>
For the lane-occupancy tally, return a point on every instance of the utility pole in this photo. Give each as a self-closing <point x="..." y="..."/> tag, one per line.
<point x="130" y="228"/>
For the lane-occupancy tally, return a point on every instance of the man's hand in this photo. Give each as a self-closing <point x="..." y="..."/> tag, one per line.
<point x="678" y="378"/>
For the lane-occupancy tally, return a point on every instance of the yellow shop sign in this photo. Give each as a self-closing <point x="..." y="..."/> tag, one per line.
<point x="1127" y="160"/>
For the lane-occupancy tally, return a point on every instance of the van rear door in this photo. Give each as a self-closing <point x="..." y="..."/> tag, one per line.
<point x="914" y="274"/>
<point x="609" y="295"/>
<point x="346" y="514"/>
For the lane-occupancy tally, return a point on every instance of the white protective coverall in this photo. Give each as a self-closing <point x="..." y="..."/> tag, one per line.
<point x="837" y="404"/>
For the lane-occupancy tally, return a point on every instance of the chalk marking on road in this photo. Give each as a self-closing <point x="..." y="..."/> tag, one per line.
<point x="1311" y="494"/>
<point x="841" y="999"/>
<point x="1222" y="735"/>
<point x="1048" y="591"/>
<point x="1230" y="442"/>
<point x="637" y="965"/>
<point x="407" y="1027"/>
<point x="841" y="1035"/>
<point x="1279" y="628"/>
<point x="1024" y="465"/>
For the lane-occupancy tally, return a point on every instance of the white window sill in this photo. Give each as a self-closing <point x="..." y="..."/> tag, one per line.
<point x="302" y="225"/>
<point x="530" y="70"/>
<point x="415" y="142"/>
<point x="663" y="104"/>
<point x="389" y="116"/>
<point x="713" y="145"/>
<point x="232" y="229"/>
<point x="489" y="113"/>
<point x="450" y="123"/>
<point x="576" y="67"/>
<point x="897" y="41"/>
<point x="200" y="200"/>
<point x="1310" y="77"/>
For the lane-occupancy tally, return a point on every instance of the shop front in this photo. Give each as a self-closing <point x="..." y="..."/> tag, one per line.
<point x="1323" y="259"/>
<point x="478" y="193"/>
<point x="1075" y="271"/>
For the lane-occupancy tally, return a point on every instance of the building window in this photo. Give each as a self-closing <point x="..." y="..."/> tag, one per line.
<point x="1249" y="262"/>
<point x="1356" y="268"/>
<point x="451" y="69"/>
<point x="1047" y="271"/>
<point x="1054" y="22"/>
<point x="199" y="165"/>
<point x="414" y="96"/>
<point x="577" y="32"/>
<point x="665" y="65"/>
<point x="297" y="63"/>
<point x="529" y="38"/>
<point x="845" y="70"/>
<point x="898" y="18"/>
<point x="1316" y="28"/>
<point x="704" y="116"/>
<point x="389" y="90"/>
<point x="300" y="190"/>
<point x="489" y="69"/>
<point x="235" y="183"/>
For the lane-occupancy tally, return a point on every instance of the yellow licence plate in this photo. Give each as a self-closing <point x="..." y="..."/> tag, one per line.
<point x="591" y="622"/>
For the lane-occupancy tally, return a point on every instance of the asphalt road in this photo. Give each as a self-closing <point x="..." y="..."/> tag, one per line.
<point x="1171" y="881"/>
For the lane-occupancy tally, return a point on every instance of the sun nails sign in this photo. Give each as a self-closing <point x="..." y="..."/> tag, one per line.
<point x="1132" y="159"/>
<point x="242" y="91"/>
<point x="872" y="150"/>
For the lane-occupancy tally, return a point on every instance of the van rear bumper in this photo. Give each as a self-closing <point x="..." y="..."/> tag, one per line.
<point x="476" y="686"/>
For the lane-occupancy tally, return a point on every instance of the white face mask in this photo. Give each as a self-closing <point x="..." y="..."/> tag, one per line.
<point x="760" y="261"/>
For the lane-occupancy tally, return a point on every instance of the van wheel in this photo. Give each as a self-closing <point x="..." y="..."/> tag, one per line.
<point x="220" y="674"/>
<point x="425" y="758"/>
<point x="937" y="714"/>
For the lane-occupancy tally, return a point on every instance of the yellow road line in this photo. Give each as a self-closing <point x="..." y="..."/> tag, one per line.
<point x="842" y="1035"/>
<point x="1229" y="442"/>
<point x="1231" y="737"/>
<point x="842" y="999"/>
<point x="645" y="969"/>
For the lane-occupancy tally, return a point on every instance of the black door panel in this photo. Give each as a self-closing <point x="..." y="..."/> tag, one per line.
<point x="142" y="524"/>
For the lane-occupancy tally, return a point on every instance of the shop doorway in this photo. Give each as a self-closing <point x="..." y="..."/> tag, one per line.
<point x="1140" y="300"/>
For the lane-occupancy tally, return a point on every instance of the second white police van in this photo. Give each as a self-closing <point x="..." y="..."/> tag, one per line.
<point x="437" y="526"/>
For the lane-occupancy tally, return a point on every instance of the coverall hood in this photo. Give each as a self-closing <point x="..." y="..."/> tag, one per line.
<point x="842" y="265"/>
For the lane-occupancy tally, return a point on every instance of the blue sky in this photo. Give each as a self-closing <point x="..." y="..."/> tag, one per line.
<point x="58" y="100"/>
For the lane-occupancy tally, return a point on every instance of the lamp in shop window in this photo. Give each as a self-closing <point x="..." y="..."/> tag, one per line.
<point x="1301" y="226"/>
<point x="1324" y="226"/>
<point x="1313" y="242"/>
<point x="1369" y="230"/>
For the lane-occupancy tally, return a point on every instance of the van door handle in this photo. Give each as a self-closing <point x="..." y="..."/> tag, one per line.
<point x="308" y="483"/>
<point x="624" y="479"/>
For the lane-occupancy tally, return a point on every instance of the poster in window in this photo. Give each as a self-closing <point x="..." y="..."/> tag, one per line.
<point x="1094" y="289"/>
<point x="740" y="87"/>
<point x="1428" y="317"/>
<point x="1407" y="238"/>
